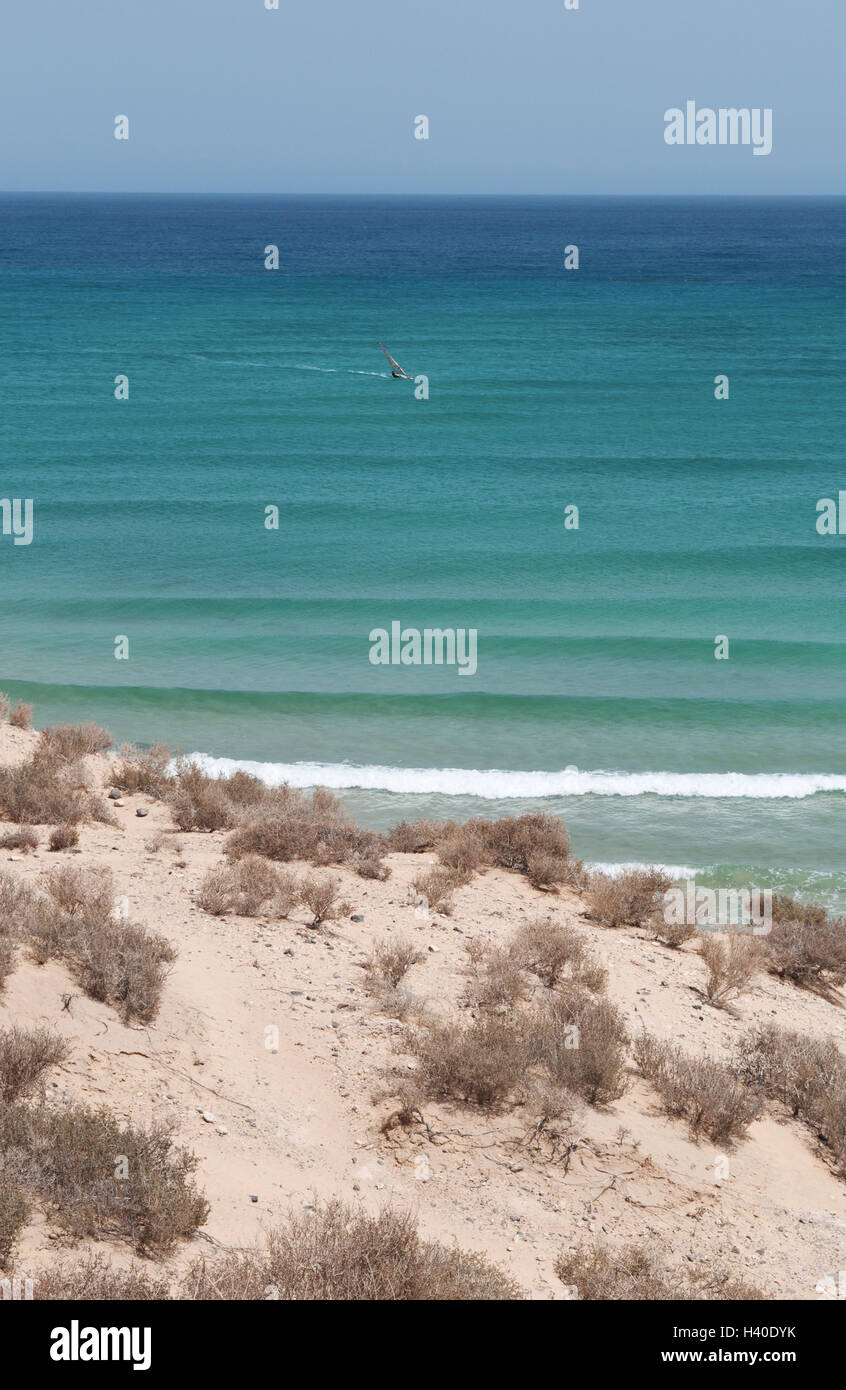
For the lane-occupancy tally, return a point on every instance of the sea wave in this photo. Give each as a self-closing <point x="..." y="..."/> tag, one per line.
<point x="497" y="785"/>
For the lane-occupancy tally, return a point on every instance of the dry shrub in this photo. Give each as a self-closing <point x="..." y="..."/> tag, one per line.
<point x="47" y="790"/>
<point x="93" y="1279"/>
<point x="580" y="1044"/>
<point x="5" y="706"/>
<point x="319" y="893"/>
<point x="368" y="866"/>
<point x="482" y="1062"/>
<point x="64" y="837"/>
<point x="601" y="1274"/>
<point x="628" y="899"/>
<point x="706" y="1093"/>
<point x="417" y="836"/>
<point x="25" y="839"/>
<point x="21" y="716"/>
<point x="807" y="1075"/>
<point x="87" y="893"/>
<point x="68" y="1160"/>
<point x="673" y="934"/>
<point x="118" y="962"/>
<point x="391" y="961"/>
<point x="122" y="964"/>
<point x="70" y="742"/>
<point x="19" y="904"/>
<point x="496" y="979"/>
<point x="732" y="960"/>
<point x="250" y="887"/>
<point x="286" y="824"/>
<point x="462" y="849"/>
<point x="7" y="960"/>
<point x="25" y="1055"/>
<point x="547" y="949"/>
<point x="438" y="885"/>
<point x="15" y="1212"/>
<point x="200" y="802"/>
<point x="536" y="845"/>
<point x="337" y="1254"/>
<point x="805" y="945"/>
<point x="143" y="770"/>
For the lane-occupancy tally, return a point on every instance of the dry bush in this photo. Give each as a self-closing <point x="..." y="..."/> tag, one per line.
<point x="417" y="836"/>
<point x="7" y="960"/>
<point x="15" y="1213"/>
<point x="5" y="706"/>
<point x="25" y="1055"/>
<point x="64" y="837"/>
<point x="514" y="840"/>
<point x="732" y="960"/>
<point x="337" y="1254"/>
<point x="26" y="839"/>
<point x="482" y="1062"/>
<point x="122" y="964"/>
<point x="706" y="1093"/>
<point x="118" y="962"/>
<point x="250" y="887"/>
<point x="18" y="906"/>
<point x="93" y="1279"/>
<point x="673" y="934"/>
<point x="68" y="1159"/>
<point x="580" y="1044"/>
<point x="807" y="1075"/>
<point x="547" y="949"/>
<point x="368" y="866"/>
<point x="805" y="945"/>
<point x="391" y="961"/>
<point x="21" y="716"/>
<point x="286" y="824"/>
<point x="319" y="893"/>
<point x="631" y="1274"/>
<point x="70" y="742"/>
<point x="438" y="885"/>
<point x="47" y="790"/>
<point x="629" y="899"/>
<point x="87" y="893"/>
<point x="200" y="802"/>
<point x="496" y="979"/>
<point x="463" y="849"/>
<point x="143" y="770"/>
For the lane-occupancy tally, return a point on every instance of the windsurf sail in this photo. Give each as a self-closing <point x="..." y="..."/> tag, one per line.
<point x="395" y="366"/>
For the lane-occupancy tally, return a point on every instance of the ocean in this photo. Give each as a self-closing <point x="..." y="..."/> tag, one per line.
<point x="597" y="695"/>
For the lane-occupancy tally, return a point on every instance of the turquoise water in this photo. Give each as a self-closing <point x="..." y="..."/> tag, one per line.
<point x="597" y="693"/>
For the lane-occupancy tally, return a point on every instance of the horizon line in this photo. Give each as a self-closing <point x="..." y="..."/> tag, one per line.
<point x="256" y="193"/>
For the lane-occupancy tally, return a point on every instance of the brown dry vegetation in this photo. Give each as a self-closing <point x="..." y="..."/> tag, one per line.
<point x="704" y="1092"/>
<point x="596" y="1272"/>
<point x="630" y="899"/>
<point x="249" y="887"/>
<point x="806" y="946"/>
<point x="806" y="1075"/>
<point x="732" y="960"/>
<point x="115" y="961"/>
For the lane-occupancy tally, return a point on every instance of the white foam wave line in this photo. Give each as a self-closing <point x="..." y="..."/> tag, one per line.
<point x="496" y="785"/>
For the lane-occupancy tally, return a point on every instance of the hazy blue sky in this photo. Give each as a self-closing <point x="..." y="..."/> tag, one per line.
<point x="320" y="96"/>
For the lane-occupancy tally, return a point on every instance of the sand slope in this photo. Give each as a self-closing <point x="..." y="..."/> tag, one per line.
<point x="297" y="1104"/>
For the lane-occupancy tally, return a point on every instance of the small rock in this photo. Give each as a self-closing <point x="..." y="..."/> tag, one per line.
<point x="114" y="794"/>
<point x="356" y="917"/>
<point x="207" y="1116"/>
<point x="142" y="811"/>
<point x="117" y="801"/>
<point x="221" y="1129"/>
<point x="253" y="1198"/>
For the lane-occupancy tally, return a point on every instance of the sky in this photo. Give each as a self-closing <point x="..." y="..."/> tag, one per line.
<point x="320" y="96"/>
